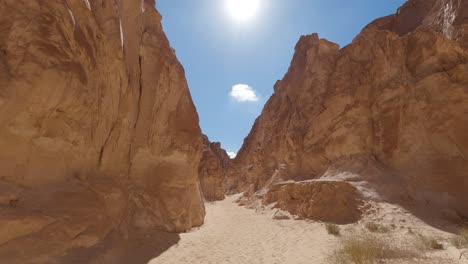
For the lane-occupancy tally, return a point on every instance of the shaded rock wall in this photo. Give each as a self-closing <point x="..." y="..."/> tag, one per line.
<point x="397" y="96"/>
<point x="99" y="133"/>
<point x="212" y="170"/>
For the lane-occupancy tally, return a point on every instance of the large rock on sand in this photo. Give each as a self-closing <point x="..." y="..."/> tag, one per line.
<point x="326" y="201"/>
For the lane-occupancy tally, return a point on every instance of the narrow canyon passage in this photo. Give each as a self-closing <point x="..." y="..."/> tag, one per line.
<point x="116" y="136"/>
<point x="234" y="234"/>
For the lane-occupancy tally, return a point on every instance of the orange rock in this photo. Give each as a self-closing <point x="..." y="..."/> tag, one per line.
<point x="391" y="104"/>
<point x="212" y="170"/>
<point x="99" y="132"/>
<point x="327" y="201"/>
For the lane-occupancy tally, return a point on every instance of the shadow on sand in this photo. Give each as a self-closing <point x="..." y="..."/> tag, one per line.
<point x="139" y="248"/>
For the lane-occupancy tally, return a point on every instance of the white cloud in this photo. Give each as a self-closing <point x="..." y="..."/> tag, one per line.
<point x="231" y="154"/>
<point x="243" y="93"/>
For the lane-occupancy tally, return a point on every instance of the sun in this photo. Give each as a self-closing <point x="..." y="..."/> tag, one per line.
<point x="242" y="10"/>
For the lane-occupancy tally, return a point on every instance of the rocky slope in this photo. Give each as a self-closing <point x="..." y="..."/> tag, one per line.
<point x="99" y="134"/>
<point x="212" y="170"/>
<point x="386" y="115"/>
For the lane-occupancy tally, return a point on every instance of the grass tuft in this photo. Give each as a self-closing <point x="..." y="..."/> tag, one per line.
<point x="376" y="228"/>
<point x="333" y="229"/>
<point x="430" y="243"/>
<point x="464" y="235"/>
<point x="367" y="250"/>
<point x="461" y="241"/>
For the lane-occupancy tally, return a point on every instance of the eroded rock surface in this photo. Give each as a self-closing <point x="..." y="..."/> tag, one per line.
<point x="387" y="113"/>
<point x="99" y="134"/>
<point x="212" y="170"/>
<point x="327" y="201"/>
<point x="445" y="16"/>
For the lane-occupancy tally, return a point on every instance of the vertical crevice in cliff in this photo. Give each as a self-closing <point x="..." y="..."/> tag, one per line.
<point x="140" y="91"/>
<point x="112" y="129"/>
<point x="139" y="98"/>
<point x="101" y="153"/>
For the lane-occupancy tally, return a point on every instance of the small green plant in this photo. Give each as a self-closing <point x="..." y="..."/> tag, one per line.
<point x="376" y="228"/>
<point x="333" y="229"/>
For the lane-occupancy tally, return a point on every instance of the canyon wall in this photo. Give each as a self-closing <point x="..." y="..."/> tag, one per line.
<point x="212" y="170"/>
<point x="388" y="113"/>
<point x="99" y="133"/>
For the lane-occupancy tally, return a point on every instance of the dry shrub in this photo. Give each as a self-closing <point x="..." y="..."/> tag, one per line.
<point x="429" y="243"/>
<point x="368" y="250"/>
<point x="464" y="235"/>
<point x="376" y="228"/>
<point x="461" y="241"/>
<point x="333" y="229"/>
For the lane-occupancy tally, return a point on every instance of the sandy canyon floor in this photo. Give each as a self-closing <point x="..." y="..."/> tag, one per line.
<point x="234" y="234"/>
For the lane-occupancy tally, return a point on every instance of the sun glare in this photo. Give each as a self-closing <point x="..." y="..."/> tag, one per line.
<point x="242" y="10"/>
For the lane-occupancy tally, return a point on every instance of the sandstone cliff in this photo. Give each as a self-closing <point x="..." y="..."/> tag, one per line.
<point x="99" y="134"/>
<point x="386" y="114"/>
<point x="212" y="170"/>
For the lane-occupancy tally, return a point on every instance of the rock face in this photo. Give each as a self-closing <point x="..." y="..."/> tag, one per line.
<point x="99" y="134"/>
<point x="445" y="16"/>
<point x="387" y="113"/>
<point x="212" y="170"/>
<point x="327" y="201"/>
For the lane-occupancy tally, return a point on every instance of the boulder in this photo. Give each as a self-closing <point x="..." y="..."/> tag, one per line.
<point x="326" y="201"/>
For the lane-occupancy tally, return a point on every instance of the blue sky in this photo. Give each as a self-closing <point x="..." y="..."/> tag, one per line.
<point x="220" y="51"/>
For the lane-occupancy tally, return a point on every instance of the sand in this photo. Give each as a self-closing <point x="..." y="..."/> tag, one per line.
<point x="235" y="235"/>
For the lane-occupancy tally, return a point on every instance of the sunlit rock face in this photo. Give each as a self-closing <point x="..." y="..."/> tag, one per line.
<point x="387" y="113"/>
<point x="99" y="133"/>
<point x="445" y="16"/>
<point x="212" y="170"/>
<point x="333" y="201"/>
